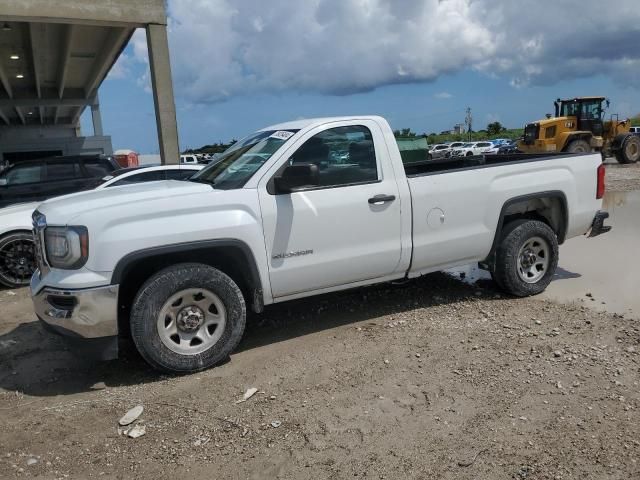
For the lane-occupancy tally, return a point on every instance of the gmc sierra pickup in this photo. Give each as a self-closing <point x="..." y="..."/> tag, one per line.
<point x="295" y="210"/>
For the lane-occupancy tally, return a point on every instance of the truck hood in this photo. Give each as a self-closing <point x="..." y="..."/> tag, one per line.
<point x="134" y="218"/>
<point x="63" y="210"/>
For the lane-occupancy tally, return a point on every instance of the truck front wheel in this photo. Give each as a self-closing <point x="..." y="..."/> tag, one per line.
<point x="526" y="258"/>
<point x="187" y="318"/>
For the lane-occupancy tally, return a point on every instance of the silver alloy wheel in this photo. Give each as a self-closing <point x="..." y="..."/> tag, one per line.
<point x="533" y="259"/>
<point x="191" y="321"/>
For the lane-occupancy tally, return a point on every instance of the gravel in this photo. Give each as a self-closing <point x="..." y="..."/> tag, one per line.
<point x="491" y="391"/>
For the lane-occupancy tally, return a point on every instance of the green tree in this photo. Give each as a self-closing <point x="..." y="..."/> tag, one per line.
<point x="495" y="128"/>
<point x="405" y="132"/>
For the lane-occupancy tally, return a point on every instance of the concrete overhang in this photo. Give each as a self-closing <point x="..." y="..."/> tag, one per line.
<point x="54" y="54"/>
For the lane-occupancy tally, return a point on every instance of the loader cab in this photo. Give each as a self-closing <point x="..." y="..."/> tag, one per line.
<point x="588" y="111"/>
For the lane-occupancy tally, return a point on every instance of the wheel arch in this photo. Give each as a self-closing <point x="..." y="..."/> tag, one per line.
<point x="571" y="136"/>
<point x="232" y="257"/>
<point x="14" y="231"/>
<point x="548" y="206"/>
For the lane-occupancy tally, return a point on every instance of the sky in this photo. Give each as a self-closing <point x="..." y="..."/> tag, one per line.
<point x="240" y="65"/>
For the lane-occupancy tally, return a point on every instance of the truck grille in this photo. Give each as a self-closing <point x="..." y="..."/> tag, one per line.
<point x="531" y="133"/>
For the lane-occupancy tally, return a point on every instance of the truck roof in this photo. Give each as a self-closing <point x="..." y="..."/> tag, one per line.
<point x="305" y="122"/>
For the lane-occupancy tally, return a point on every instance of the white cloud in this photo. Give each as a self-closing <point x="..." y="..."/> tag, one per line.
<point x="443" y="95"/>
<point x="122" y="67"/>
<point x="225" y="48"/>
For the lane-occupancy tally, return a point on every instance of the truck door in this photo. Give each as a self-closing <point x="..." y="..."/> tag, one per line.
<point x="345" y="230"/>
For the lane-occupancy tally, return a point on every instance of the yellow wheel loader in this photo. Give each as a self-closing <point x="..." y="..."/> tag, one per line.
<point x="579" y="126"/>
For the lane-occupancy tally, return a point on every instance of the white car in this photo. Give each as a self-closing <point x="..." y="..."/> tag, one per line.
<point x="439" y="151"/>
<point x="469" y="149"/>
<point x="189" y="159"/>
<point x="281" y="218"/>
<point x="17" y="258"/>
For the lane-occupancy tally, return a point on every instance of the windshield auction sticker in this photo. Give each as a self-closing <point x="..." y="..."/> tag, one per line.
<point x="282" y="135"/>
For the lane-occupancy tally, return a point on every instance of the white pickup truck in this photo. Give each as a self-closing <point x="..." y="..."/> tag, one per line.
<point x="295" y="210"/>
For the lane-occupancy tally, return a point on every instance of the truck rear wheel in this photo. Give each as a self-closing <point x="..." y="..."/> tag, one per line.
<point x="526" y="258"/>
<point x="579" y="146"/>
<point x="629" y="149"/>
<point x="187" y="318"/>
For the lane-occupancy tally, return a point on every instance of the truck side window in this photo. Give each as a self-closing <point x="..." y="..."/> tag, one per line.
<point x="344" y="155"/>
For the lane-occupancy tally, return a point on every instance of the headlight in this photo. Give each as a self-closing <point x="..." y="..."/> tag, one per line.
<point x="66" y="247"/>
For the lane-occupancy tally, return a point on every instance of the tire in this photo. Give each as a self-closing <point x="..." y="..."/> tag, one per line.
<point x="579" y="146"/>
<point x="17" y="259"/>
<point x="469" y="154"/>
<point x="171" y="312"/>
<point x="526" y="258"/>
<point x="629" y="150"/>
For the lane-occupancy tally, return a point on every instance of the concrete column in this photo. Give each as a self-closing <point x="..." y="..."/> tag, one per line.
<point x="97" y="118"/>
<point x="163" y="93"/>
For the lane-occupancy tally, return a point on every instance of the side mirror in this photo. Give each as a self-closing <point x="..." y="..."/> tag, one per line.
<point x="296" y="177"/>
<point x="3" y="182"/>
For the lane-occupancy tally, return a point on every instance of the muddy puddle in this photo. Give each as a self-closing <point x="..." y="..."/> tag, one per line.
<point x="601" y="272"/>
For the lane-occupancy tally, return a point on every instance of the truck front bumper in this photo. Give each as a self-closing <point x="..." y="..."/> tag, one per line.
<point x="89" y="316"/>
<point x="597" y="226"/>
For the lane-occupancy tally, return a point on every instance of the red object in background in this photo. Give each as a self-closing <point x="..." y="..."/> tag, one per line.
<point x="126" y="158"/>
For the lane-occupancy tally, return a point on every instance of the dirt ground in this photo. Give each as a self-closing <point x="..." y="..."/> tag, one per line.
<point x="432" y="379"/>
<point x="622" y="178"/>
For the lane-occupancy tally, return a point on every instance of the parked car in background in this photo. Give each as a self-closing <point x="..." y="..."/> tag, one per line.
<point x="211" y="158"/>
<point x="438" y="151"/>
<point x="149" y="173"/>
<point x="189" y="159"/>
<point x="295" y="222"/>
<point x="493" y="150"/>
<point x="17" y="256"/>
<point x="473" y="148"/>
<point x="634" y="130"/>
<point x="507" y="148"/>
<point x="38" y="180"/>
<point x="452" y="147"/>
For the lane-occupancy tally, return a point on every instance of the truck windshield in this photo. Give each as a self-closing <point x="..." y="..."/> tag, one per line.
<point x="240" y="161"/>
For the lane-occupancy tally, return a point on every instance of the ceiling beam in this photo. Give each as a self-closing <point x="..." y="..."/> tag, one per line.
<point x="5" y="81"/>
<point x="45" y="102"/>
<point x="5" y="118"/>
<point x="108" y="53"/>
<point x="20" y="115"/>
<point x="67" y="38"/>
<point x="75" y="117"/>
<point x="34" y="55"/>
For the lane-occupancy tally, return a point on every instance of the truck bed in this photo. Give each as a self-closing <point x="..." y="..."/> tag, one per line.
<point x="443" y="165"/>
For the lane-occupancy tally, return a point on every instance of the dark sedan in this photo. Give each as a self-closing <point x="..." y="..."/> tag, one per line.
<point x="37" y="180"/>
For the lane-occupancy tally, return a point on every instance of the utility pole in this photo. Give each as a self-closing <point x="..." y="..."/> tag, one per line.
<point x="468" y="121"/>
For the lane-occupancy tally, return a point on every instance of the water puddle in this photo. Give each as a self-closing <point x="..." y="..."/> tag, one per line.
<point x="601" y="272"/>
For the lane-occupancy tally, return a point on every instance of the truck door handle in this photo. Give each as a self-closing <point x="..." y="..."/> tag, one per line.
<point x="381" y="199"/>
